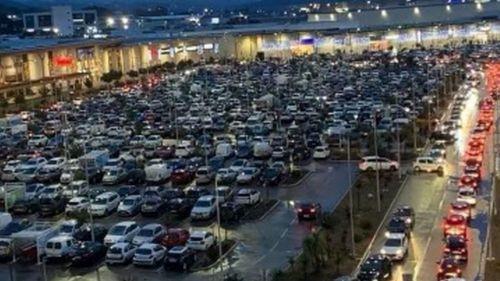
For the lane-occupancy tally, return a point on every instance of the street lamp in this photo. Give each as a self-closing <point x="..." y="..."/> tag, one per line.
<point x="377" y="166"/>
<point x="110" y="21"/>
<point x="429" y="102"/>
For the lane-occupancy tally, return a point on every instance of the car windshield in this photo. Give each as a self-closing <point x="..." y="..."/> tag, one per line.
<point x="371" y="266"/>
<point x="203" y="203"/>
<point x="128" y="202"/>
<point x="100" y="201"/>
<point x="145" y="232"/>
<point x="66" y="228"/>
<point x="117" y="230"/>
<point x="31" y="188"/>
<point x="29" y="170"/>
<point x="393" y="242"/>
<point x="143" y="251"/>
<point x="115" y="250"/>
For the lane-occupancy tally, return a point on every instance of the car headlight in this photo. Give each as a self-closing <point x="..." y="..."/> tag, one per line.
<point x="408" y="220"/>
<point x="383" y="251"/>
<point x="399" y="252"/>
<point x="387" y="233"/>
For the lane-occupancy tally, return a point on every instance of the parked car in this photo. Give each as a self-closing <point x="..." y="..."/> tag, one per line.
<point x="121" y="232"/>
<point x="179" y="258"/>
<point x="204" y="208"/>
<point x="201" y="240"/>
<point x="150" y="233"/>
<point x="59" y="247"/>
<point x="247" y="196"/>
<point x="120" y="253"/>
<point x="105" y="203"/>
<point x="84" y="233"/>
<point x="130" y="206"/>
<point x="175" y="237"/>
<point x="87" y="253"/>
<point x="152" y="206"/>
<point x="149" y="254"/>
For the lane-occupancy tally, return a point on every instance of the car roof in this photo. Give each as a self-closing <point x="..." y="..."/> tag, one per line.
<point x="148" y="245"/>
<point x="199" y="233"/>
<point x="151" y="225"/>
<point x="206" y="198"/>
<point x="396" y="236"/>
<point x="126" y="223"/>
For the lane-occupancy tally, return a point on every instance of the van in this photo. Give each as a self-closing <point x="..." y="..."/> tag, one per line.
<point x="224" y="149"/>
<point x="59" y="246"/>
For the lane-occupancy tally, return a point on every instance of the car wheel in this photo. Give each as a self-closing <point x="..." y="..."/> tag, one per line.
<point x="417" y="169"/>
<point x="369" y="169"/>
<point x="184" y="267"/>
<point x="393" y="168"/>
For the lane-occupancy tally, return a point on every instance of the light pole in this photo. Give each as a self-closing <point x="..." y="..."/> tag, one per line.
<point x="377" y="165"/>
<point x="351" y="214"/>
<point x="414" y="117"/>
<point x="429" y="102"/>
<point x="91" y="218"/>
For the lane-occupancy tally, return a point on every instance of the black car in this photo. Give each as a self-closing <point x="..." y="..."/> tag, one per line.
<point x="87" y="253"/>
<point x="94" y="192"/>
<point x="51" y="206"/>
<point x="15" y="226"/>
<point x="407" y="214"/>
<point x="456" y="248"/>
<point x="271" y="176"/>
<point x="398" y="225"/>
<point x="127" y="190"/>
<point x="181" y="207"/>
<point x="171" y="193"/>
<point x="136" y="177"/>
<point x="48" y="176"/>
<point x="179" y="258"/>
<point x="376" y="267"/>
<point x="24" y="206"/>
<point x="196" y="192"/>
<point x="152" y="206"/>
<point x="84" y="233"/>
<point x="231" y="212"/>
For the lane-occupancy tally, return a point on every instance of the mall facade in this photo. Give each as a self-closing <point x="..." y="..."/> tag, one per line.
<point x="26" y="65"/>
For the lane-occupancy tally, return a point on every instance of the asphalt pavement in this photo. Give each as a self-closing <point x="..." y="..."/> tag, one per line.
<point x="430" y="196"/>
<point x="262" y="245"/>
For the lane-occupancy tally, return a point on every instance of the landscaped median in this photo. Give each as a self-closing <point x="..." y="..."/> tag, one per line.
<point x="326" y="253"/>
<point x="492" y="268"/>
<point x="210" y="258"/>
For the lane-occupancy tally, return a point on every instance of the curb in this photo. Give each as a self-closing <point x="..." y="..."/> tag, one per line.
<point x="299" y="182"/>
<point x="219" y="260"/>
<point x="269" y="211"/>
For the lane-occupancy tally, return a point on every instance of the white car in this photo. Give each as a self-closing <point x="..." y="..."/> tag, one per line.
<point x="157" y="170"/>
<point x="321" y="152"/>
<point x="395" y="247"/>
<point x="150" y="233"/>
<point x="149" y="254"/>
<point x="247" y="175"/>
<point x="225" y="175"/>
<point x="184" y="150"/>
<point x="200" y="240"/>
<point x="9" y="170"/>
<point x="278" y="153"/>
<point x="105" y="203"/>
<point x="153" y="141"/>
<point x="120" y="253"/>
<point x="204" y="208"/>
<point x="467" y="195"/>
<point x="137" y="140"/>
<point x="77" y="205"/>
<point x="428" y="164"/>
<point x="59" y="246"/>
<point x="123" y="231"/>
<point x="37" y="140"/>
<point x="69" y="227"/>
<point x="51" y="191"/>
<point x="114" y="175"/>
<point x="247" y="196"/>
<point x="204" y="175"/>
<point x="33" y="190"/>
<point x="55" y="163"/>
<point x="372" y="163"/>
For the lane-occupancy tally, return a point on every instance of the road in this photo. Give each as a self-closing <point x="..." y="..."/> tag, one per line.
<point x="430" y="196"/>
<point x="263" y="245"/>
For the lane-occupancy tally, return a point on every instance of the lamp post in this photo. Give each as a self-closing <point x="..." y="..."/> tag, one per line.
<point x="377" y="165"/>
<point x="429" y="102"/>
<point x="351" y="214"/>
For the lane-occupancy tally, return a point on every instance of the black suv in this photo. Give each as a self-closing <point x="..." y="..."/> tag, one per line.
<point x="456" y="248"/>
<point x="179" y="258"/>
<point x="398" y="225"/>
<point x="376" y="267"/>
<point x="51" y="206"/>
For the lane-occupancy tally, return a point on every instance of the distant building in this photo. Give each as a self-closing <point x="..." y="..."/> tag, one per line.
<point x="61" y="21"/>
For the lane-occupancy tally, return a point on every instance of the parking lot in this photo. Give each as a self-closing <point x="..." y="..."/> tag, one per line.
<point x="248" y="133"/>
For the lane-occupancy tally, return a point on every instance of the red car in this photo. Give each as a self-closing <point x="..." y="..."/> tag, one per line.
<point x="472" y="167"/>
<point x="461" y="208"/>
<point x="469" y="180"/>
<point x="308" y="211"/>
<point x="455" y="225"/>
<point x="175" y="237"/>
<point x="182" y="176"/>
<point x="475" y="150"/>
<point x="448" y="268"/>
<point x="164" y="152"/>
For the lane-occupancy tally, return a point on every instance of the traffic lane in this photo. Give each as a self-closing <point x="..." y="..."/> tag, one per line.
<point x="268" y="244"/>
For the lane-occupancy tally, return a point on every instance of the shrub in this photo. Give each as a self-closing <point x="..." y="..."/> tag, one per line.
<point x="365" y="224"/>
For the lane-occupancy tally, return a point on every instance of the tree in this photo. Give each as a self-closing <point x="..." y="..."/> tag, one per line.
<point x="44" y="92"/>
<point x="88" y="83"/>
<point x="133" y="74"/>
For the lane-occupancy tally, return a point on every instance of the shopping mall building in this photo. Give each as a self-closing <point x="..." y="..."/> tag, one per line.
<point x="33" y="63"/>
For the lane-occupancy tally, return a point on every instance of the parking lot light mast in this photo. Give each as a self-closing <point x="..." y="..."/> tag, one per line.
<point x="414" y="117"/>
<point x="351" y="214"/>
<point x="377" y="165"/>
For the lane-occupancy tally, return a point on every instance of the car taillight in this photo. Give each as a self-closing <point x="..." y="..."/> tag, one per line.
<point x="313" y="210"/>
<point x="299" y="210"/>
